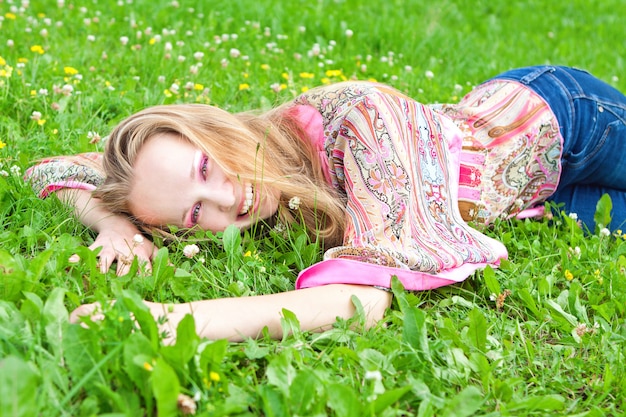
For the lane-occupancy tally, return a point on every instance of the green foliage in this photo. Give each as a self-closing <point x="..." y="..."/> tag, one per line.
<point x="543" y="334"/>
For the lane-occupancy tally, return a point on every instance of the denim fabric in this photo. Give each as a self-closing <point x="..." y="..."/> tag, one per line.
<point x="592" y="118"/>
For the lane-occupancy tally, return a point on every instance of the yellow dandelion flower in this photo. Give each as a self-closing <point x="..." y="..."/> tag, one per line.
<point x="41" y="122"/>
<point x="198" y="87"/>
<point x="265" y="67"/>
<point x="244" y="86"/>
<point x="33" y="92"/>
<point x="333" y="73"/>
<point x="2" y="144"/>
<point x="2" y="61"/>
<point x="326" y="80"/>
<point x="70" y="70"/>
<point x="246" y="75"/>
<point x="372" y="80"/>
<point x="247" y="254"/>
<point x="307" y="75"/>
<point x="6" y="72"/>
<point x="10" y="15"/>
<point x="152" y="41"/>
<point x="304" y="89"/>
<point x="148" y="367"/>
<point x="41" y="15"/>
<point x="38" y="49"/>
<point x="167" y="93"/>
<point x="22" y="60"/>
<point x="568" y="275"/>
<point x="214" y="376"/>
<point x="285" y="75"/>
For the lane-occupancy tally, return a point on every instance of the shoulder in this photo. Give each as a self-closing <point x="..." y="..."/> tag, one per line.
<point x="334" y="99"/>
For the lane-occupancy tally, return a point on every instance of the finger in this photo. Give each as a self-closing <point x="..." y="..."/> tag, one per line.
<point x="105" y="257"/>
<point x="93" y="311"/>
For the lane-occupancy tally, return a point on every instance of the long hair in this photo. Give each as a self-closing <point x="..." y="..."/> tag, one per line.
<point x="268" y="148"/>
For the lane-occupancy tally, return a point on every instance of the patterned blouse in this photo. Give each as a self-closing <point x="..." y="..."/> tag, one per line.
<point x="413" y="175"/>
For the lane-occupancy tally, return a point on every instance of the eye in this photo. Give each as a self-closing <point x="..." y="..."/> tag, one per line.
<point x="195" y="213"/>
<point x="204" y="166"/>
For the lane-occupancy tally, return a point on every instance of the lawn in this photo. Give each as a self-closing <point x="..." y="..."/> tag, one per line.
<point x="544" y="334"/>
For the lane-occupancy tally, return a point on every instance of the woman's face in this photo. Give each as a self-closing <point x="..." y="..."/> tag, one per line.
<point x="176" y="184"/>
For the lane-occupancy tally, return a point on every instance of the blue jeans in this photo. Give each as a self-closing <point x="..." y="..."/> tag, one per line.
<point x="592" y="119"/>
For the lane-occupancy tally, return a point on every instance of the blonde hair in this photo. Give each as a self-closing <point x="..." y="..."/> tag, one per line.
<point x="270" y="147"/>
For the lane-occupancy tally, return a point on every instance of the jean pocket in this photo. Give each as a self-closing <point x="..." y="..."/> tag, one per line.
<point x="536" y="73"/>
<point x="601" y="158"/>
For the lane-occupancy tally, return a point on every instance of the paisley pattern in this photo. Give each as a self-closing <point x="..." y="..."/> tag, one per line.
<point x="511" y="158"/>
<point x="396" y="160"/>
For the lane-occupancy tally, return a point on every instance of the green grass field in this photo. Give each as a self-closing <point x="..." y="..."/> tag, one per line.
<point x="543" y="335"/>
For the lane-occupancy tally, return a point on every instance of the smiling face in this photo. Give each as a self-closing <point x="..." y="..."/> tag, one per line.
<point x="176" y="184"/>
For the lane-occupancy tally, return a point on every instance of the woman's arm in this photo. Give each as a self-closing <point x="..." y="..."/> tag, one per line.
<point x="236" y="319"/>
<point x="116" y="233"/>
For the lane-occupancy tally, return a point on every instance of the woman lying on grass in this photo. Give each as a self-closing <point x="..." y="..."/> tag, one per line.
<point x="385" y="183"/>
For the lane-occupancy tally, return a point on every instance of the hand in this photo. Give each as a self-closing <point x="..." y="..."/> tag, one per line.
<point x="121" y="241"/>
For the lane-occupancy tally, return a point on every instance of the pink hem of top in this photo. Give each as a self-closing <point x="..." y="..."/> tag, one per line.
<point x="345" y="271"/>
<point x="56" y="186"/>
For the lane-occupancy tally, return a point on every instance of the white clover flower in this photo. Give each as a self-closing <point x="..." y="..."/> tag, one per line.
<point x="91" y="38"/>
<point x="349" y="33"/>
<point x="124" y="40"/>
<point x="198" y="55"/>
<point x="235" y="53"/>
<point x="191" y="250"/>
<point x="93" y="137"/>
<point x="294" y="203"/>
<point x="15" y="170"/>
<point x="3" y="173"/>
<point x="373" y="375"/>
<point x="429" y="74"/>
<point x="175" y="88"/>
<point x="161" y="79"/>
<point x="67" y="89"/>
<point x="168" y="46"/>
<point x="605" y="232"/>
<point x="573" y="216"/>
<point x="36" y="115"/>
<point x="181" y="58"/>
<point x="280" y="228"/>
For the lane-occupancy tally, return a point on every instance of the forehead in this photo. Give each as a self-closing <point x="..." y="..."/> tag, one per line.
<point x="161" y="176"/>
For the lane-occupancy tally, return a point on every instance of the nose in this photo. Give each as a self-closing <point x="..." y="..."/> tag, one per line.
<point x="219" y="194"/>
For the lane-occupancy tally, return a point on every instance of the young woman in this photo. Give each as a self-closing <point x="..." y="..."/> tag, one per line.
<point x="387" y="184"/>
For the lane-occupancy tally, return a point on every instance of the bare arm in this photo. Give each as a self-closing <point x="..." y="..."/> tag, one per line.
<point x="115" y="232"/>
<point x="236" y="319"/>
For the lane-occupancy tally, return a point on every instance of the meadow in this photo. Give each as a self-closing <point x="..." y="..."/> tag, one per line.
<point x="544" y="334"/>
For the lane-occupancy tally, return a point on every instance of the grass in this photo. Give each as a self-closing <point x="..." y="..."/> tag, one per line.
<point x="542" y="335"/>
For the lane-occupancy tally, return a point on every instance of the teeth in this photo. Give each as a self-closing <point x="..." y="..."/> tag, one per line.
<point x="248" y="201"/>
